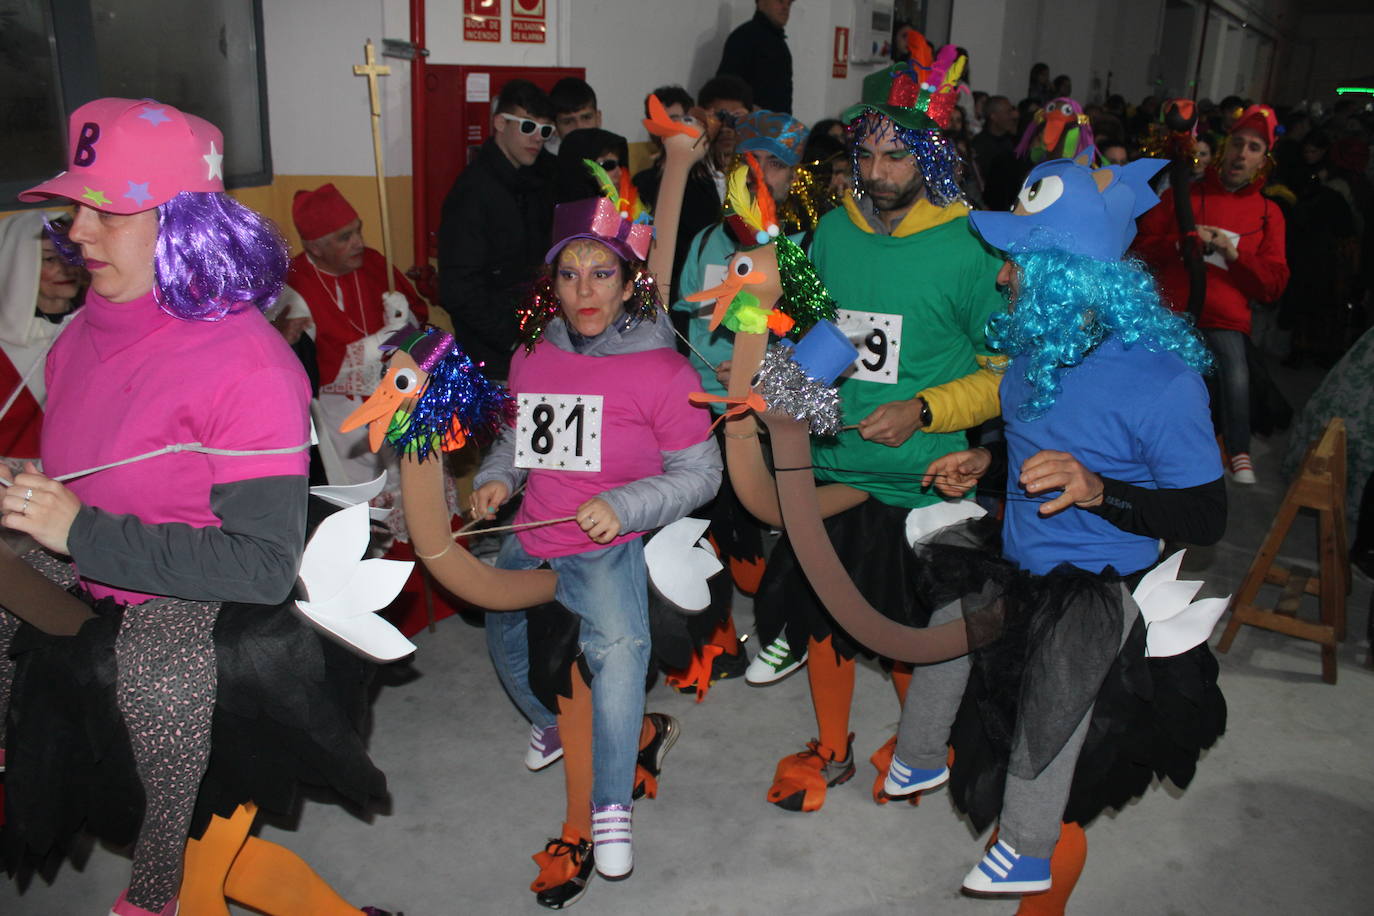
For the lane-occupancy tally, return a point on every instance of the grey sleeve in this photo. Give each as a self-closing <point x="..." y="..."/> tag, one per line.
<point x="254" y="557"/>
<point x="499" y="464"/>
<point x="690" y="478"/>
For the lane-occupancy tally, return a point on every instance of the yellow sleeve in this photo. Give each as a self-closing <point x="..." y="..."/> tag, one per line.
<point x="966" y="401"/>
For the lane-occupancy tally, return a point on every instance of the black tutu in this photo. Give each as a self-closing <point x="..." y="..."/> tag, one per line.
<point x="1151" y="717"/>
<point x="553" y="639"/>
<point x="290" y="711"/>
<point x="870" y="540"/>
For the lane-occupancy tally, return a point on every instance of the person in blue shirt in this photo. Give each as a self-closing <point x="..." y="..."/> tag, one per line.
<point x="1109" y="448"/>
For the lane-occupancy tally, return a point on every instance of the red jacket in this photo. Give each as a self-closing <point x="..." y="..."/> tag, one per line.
<point x="336" y="325"/>
<point x="1259" y="274"/>
<point x="21" y="424"/>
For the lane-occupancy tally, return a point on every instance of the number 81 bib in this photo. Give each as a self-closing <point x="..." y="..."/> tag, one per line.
<point x="559" y="432"/>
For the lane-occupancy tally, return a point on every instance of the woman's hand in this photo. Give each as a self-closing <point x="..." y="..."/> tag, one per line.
<point x="723" y="371"/>
<point x="1050" y="470"/>
<point x="489" y="497"/>
<point x="40" y="507"/>
<point x="598" y="519"/>
<point x="954" y="474"/>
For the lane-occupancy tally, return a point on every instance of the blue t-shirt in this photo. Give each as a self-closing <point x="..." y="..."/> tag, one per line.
<point x="1129" y="414"/>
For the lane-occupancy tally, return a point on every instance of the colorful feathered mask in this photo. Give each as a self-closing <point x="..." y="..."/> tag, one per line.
<point x="768" y="270"/>
<point x="432" y="397"/>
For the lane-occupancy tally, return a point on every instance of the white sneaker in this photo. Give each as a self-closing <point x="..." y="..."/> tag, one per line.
<point x="613" y="841"/>
<point x="773" y="663"/>
<point x="1242" y="470"/>
<point x="546" y="746"/>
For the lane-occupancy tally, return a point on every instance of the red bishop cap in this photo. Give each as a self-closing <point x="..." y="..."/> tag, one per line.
<point x="321" y="211"/>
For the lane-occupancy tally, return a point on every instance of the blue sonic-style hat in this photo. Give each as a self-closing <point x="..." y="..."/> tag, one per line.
<point x="1068" y="206"/>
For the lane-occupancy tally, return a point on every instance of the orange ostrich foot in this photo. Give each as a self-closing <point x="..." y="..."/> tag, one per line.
<point x="800" y="781"/>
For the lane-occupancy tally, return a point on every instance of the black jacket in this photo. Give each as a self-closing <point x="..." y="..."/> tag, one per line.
<point x="757" y="53"/>
<point x="701" y="205"/>
<point x="493" y="233"/>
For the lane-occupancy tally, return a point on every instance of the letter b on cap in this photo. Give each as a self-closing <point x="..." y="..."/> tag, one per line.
<point x="85" y="144"/>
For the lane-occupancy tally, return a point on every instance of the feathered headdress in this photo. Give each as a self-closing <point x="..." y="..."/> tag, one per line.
<point x="919" y="93"/>
<point x="625" y="197"/>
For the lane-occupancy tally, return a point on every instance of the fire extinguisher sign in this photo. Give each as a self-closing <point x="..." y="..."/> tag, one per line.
<point x="481" y="20"/>
<point x="839" y="55"/>
<point x="528" y="21"/>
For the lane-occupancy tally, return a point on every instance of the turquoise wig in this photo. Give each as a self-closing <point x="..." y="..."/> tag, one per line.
<point x="1068" y="304"/>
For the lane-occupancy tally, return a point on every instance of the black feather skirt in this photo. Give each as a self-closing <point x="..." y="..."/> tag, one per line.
<point x="870" y="541"/>
<point x="1151" y="717"/>
<point x="291" y="709"/>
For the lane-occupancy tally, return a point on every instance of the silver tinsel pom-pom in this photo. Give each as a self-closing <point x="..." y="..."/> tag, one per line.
<point x="786" y="387"/>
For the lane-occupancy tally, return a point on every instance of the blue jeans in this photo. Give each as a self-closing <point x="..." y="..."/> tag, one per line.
<point x="1233" y="387"/>
<point x="608" y="590"/>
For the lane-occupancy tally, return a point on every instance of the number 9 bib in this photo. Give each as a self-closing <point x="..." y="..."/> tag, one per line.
<point x="879" y="339"/>
<point x="559" y="432"/>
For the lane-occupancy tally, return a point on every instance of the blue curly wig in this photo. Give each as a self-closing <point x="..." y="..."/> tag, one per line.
<point x="935" y="155"/>
<point x="1068" y="304"/>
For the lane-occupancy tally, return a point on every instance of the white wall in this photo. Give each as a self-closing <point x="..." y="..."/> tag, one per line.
<point x="319" y="109"/>
<point x="319" y="113"/>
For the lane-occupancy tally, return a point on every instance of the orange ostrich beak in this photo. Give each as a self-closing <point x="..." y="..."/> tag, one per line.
<point x="725" y="293"/>
<point x="1055" y="122"/>
<point x="660" y="124"/>
<point x="403" y="382"/>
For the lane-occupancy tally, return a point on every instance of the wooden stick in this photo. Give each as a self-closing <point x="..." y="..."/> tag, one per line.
<point x="371" y="70"/>
<point x="470" y="526"/>
<point x="521" y="526"/>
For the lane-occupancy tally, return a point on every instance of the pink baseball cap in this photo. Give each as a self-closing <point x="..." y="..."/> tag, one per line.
<point x="130" y="155"/>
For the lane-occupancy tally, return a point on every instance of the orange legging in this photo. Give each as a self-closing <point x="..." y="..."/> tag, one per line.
<point x="1066" y="864"/>
<point x="228" y="864"/>
<point x="832" y="691"/>
<point x="575" y="728"/>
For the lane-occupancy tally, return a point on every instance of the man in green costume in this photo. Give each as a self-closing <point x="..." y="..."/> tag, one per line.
<point x="915" y="288"/>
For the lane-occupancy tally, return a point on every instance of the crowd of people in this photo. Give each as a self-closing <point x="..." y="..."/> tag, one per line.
<point x="1091" y="278"/>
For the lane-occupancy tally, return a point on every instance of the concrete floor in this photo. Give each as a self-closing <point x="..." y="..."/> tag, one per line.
<point x="1280" y="818"/>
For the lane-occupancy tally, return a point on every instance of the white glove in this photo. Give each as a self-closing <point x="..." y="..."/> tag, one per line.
<point x="395" y="312"/>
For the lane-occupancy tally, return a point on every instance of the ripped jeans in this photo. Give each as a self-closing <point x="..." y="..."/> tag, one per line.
<point x="608" y="590"/>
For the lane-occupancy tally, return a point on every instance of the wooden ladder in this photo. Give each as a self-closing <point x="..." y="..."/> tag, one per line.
<point x="1319" y="485"/>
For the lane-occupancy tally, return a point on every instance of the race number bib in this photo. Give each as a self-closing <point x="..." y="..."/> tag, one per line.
<point x="559" y="432"/>
<point x="879" y="339"/>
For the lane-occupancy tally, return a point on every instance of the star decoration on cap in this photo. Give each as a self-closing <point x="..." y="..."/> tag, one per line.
<point x="215" y="162"/>
<point x="95" y="197"/>
<point x="154" y="116"/>
<point x="138" y="193"/>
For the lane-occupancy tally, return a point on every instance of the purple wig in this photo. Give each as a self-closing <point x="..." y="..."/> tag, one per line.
<point x="213" y="256"/>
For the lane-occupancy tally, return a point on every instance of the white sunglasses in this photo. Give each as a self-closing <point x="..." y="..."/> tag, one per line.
<point x="528" y="127"/>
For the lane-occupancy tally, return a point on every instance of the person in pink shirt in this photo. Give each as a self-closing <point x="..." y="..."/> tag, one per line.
<point x="605" y="436"/>
<point x="174" y="451"/>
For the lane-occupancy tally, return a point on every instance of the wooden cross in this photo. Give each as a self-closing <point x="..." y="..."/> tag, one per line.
<point x="371" y="70"/>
